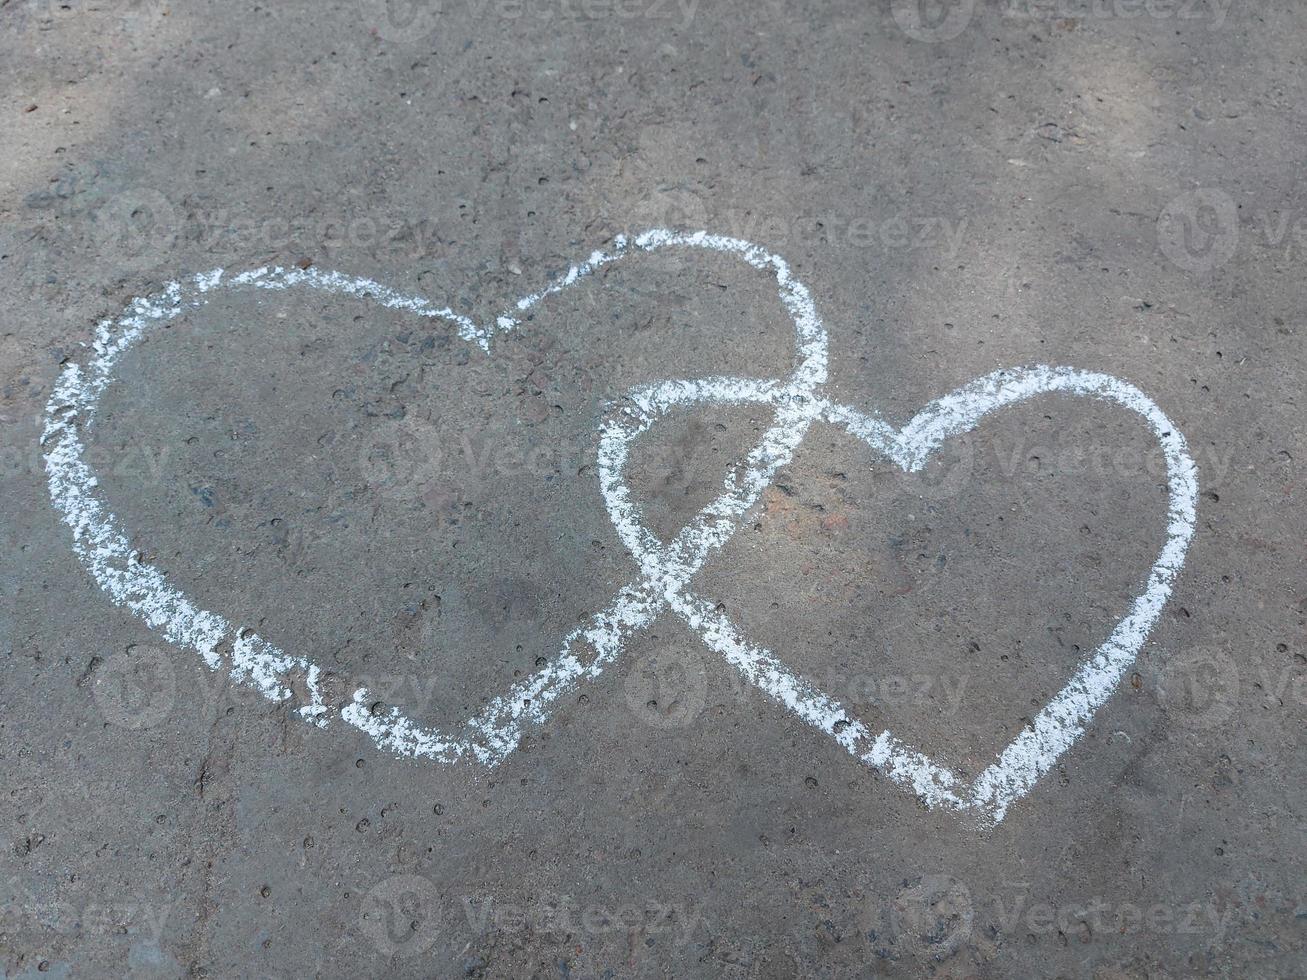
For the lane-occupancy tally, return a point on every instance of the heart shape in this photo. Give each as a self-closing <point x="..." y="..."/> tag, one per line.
<point x="1037" y="748"/>
<point x="104" y="548"/>
<point x="665" y="570"/>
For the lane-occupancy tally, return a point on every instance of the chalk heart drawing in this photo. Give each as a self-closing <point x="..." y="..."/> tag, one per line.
<point x="665" y="569"/>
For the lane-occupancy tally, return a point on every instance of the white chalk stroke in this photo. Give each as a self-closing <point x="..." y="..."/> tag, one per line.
<point x="666" y="570"/>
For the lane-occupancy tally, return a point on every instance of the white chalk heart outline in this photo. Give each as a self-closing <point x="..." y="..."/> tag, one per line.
<point x="666" y="570"/>
<point x="1057" y="726"/>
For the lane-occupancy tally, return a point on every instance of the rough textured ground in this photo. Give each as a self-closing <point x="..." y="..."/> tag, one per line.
<point x="1112" y="184"/>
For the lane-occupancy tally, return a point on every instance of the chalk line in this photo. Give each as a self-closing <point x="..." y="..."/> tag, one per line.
<point x="1037" y="748"/>
<point x="665" y="570"/>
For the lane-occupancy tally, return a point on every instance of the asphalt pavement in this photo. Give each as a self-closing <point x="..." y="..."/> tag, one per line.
<point x="652" y="488"/>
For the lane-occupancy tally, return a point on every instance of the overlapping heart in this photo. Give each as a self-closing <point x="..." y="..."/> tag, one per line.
<point x="665" y="569"/>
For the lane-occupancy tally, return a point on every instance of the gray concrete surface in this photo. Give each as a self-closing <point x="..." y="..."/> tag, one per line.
<point x="1114" y="185"/>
